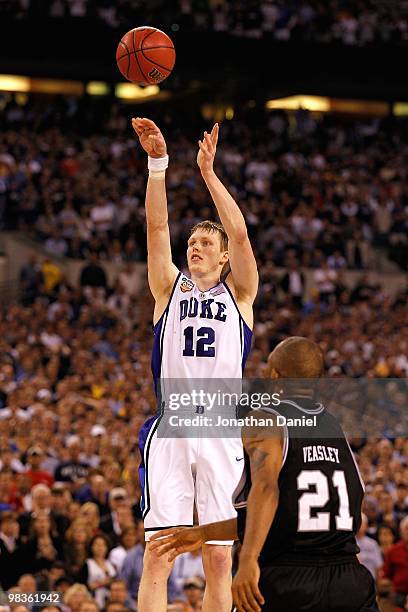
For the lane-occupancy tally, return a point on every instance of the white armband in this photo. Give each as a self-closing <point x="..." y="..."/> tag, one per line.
<point x="158" y="164"/>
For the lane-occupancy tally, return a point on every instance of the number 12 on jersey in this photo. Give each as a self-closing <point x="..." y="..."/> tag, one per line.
<point x="319" y="498"/>
<point x="201" y="345"/>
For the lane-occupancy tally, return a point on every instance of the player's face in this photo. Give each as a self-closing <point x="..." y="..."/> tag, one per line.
<point x="204" y="254"/>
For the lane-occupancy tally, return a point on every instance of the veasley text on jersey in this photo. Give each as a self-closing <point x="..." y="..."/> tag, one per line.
<point x="320" y="453"/>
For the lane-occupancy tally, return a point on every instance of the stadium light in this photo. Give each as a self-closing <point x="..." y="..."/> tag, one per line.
<point x="54" y="86"/>
<point x="9" y="82"/>
<point x="23" y="84"/>
<point x="97" y="88"/>
<point x="360" y="107"/>
<point x="130" y="91"/>
<point x="334" y="105"/>
<point x="400" y="109"/>
<point x="311" y="103"/>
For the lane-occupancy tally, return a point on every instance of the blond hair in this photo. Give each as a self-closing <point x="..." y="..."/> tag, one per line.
<point x="76" y="589"/>
<point x="212" y="227"/>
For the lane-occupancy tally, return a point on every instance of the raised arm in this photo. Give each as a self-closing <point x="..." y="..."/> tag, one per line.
<point x="161" y="270"/>
<point x="242" y="261"/>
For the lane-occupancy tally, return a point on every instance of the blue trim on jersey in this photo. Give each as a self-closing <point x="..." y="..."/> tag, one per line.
<point x="152" y="422"/>
<point x="245" y="331"/>
<point x="158" y="332"/>
<point x="156" y="352"/>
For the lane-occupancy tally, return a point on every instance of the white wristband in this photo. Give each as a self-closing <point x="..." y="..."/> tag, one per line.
<point x="157" y="164"/>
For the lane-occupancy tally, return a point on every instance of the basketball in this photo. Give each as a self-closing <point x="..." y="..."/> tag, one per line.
<point x="145" y="56"/>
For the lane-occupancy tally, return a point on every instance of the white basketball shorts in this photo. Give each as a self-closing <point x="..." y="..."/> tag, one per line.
<point x="175" y="473"/>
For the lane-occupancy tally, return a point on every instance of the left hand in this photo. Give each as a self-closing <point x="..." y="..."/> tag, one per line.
<point x="245" y="592"/>
<point x="207" y="150"/>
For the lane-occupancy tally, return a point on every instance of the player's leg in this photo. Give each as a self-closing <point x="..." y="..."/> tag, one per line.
<point x="167" y="501"/>
<point x="218" y="475"/>
<point x="152" y="595"/>
<point x="217" y="562"/>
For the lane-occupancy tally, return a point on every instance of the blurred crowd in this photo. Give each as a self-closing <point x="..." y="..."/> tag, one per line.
<point x="75" y="388"/>
<point x="75" y="385"/>
<point x="361" y="22"/>
<point x="315" y="190"/>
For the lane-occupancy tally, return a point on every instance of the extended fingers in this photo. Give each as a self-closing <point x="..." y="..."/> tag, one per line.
<point x="150" y="124"/>
<point x="214" y="134"/>
<point x="249" y="592"/>
<point x="160" y="535"/>
<point x="144" y="126"/>
<point x="209" y="142"/>
<point x="240" y="599"/>
<point x="204" y="148"/>
<point x="137" y="126"/>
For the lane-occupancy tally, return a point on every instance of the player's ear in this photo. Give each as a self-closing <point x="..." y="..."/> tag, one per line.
<point x="274" y="374"/>
<point x="224" y="258"/>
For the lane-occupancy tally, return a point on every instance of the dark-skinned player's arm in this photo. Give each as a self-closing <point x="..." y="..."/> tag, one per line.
<point x="161" y="270"/>
<point x="264" y="448"/>
<point x="178" y="540"/>
<point x="241" y="257"/>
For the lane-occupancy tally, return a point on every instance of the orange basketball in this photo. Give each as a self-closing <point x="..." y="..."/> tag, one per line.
<point x="145" y="56"/>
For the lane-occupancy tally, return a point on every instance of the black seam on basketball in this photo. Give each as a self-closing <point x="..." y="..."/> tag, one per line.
<point x="148" y="49"/>
<point x="154" y="62"/>
<point x="128" y="54"/>
<point x="147" y="36"/>
<point x="138" y="63"/>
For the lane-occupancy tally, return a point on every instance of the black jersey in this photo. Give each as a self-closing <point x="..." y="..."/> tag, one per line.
<point x="320" y="492"/>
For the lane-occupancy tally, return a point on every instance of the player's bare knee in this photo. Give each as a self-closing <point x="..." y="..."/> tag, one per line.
<point x="152" y="563"/>
<point x="217" y="560"/>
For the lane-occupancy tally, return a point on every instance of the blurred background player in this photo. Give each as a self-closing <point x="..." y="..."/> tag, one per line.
<point x="300" y="510"/>
<point x="202" y="330"/>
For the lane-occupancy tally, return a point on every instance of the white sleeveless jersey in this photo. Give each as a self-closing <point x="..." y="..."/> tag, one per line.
<point x="200" y="335"/>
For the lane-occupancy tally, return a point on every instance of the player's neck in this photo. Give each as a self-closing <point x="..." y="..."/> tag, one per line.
<point x="204" y="283"/>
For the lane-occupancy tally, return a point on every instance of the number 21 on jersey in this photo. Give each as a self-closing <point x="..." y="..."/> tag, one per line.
<point x="319" y="498"/>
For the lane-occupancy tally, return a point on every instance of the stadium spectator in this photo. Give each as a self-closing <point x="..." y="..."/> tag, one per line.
<point x="193" y="589"/>
<point x="396" y="565"/>
<point x="93" y="274"/>
<point x="370" y="552"/>
<point x="35" y="456"/>
<point x="293" y="281"/>
<point x="9" y="531"/>
<point x="317" y="21"/>
<point x="72" y="470"/>
<point x="89" y="514"/>
<point x="293" y="202"/>
<point x="112" y="523"/>
<point x="187" y="566"/>
<point x="118" y="593"/>
<point x="97" y="572"/>
<point x="77" y="538"/>
<point x="43" y="546"/>
<point x="31" y="279"/>
<point x="75" y="596"/>
<point x="41" y="503"/>
<point x="128" y="539"/>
